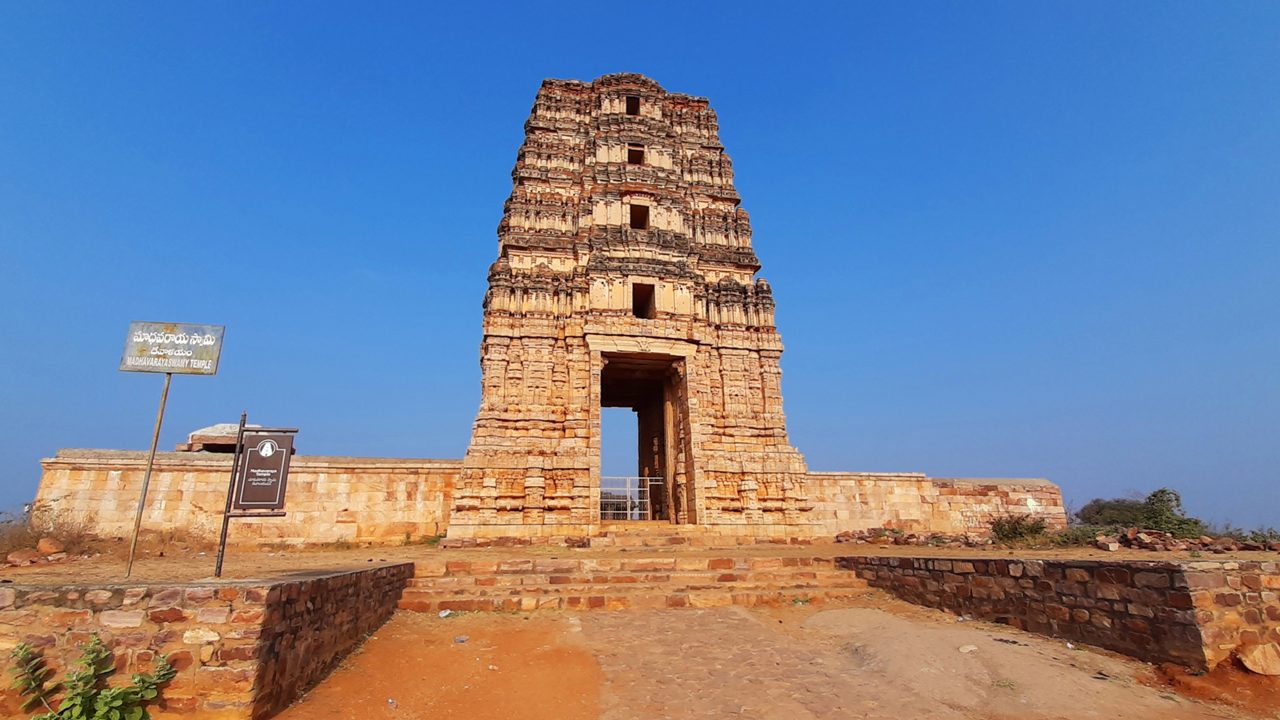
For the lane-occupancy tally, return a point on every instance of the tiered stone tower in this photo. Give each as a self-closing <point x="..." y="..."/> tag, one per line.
<point x="626" y="278"/>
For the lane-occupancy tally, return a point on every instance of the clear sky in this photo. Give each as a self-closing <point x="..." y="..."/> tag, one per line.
<point x="1006" y="239"/>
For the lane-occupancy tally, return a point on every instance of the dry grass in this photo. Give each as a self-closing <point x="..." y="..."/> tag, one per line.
<point x="16" y="533"/>
<point x="24" y="530"/>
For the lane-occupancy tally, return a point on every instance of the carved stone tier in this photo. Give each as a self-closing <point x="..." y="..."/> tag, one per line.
<point x="626" y="278"/>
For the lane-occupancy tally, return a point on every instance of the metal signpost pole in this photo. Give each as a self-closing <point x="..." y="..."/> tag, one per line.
<point x="146" y="477"/>
<point x="231" y="488"/>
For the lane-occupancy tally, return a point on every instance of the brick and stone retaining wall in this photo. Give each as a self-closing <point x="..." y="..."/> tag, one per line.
<point x="913" y="502"/>
<point x="1195" y="613"/>
<point x="242" y="649"/>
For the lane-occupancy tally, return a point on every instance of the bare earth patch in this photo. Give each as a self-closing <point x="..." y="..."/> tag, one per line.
<point x="508" y="667"/>
<point x="875" y="658"/>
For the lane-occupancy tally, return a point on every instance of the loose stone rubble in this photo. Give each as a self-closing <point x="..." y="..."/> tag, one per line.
<point x="884" y="536"/>
<point x="1156" y="541"/>
<point x="47" y="550"/>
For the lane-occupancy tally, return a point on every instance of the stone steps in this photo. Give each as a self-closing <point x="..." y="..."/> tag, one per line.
<point x="615" y="564"/>
<point x="655" y="584"/>
<point x="661" y="534"/>
<point x="710" y="579"/>
<point x="615" y="582"/>
<point x="611" y="598"/>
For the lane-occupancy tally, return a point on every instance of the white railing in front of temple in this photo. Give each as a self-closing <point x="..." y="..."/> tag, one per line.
<point x="626" y="497"/>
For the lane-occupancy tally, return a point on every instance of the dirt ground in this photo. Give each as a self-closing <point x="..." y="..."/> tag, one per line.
<point x="157" y="563"/>
<point x="874" y="657"/>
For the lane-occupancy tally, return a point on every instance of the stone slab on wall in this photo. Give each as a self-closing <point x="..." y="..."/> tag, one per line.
<point x="1195" y="614"/>
<point x="242" y="649"/>
<point x="914" y="502"/>
<point x="329" y="500"/>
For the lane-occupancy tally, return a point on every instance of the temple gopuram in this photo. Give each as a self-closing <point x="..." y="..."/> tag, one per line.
<point x="626" y="278"/>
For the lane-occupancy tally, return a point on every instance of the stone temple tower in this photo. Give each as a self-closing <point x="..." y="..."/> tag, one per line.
<point x="626" y="278"/>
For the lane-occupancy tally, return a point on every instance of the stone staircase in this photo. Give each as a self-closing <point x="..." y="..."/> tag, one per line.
<point x="650" y="580"/>
<point x="649" y="534"/>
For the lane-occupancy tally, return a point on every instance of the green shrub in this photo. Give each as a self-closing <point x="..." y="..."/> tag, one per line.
<point x="1120" y="511"/>
<point x="1013" y="528"/>
<point x="1162" y="510"/>
<point x="1081" y="535"/>
<point x="85" y="695"/>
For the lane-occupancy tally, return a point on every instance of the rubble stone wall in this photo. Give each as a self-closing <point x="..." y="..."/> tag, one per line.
<point x="242" y="649"/>
<point x="913" y="502"/>
<point x="1196" y="614"/>
<point x="1237" y="605"/>
<point x="329" y="499"/>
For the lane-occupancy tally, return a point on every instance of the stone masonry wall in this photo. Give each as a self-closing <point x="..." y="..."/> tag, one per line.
<point x="914" y="502"/>
<point x="386" y="500"/>
<point x="1237" y="605"/>
<point x="313" y="623"/>
<point x="329" y="499"/>
<point x="1195" y="614"/>
<point x="242" y="649"/>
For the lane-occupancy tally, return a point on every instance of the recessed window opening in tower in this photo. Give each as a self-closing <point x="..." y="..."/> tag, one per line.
<point x="635" y="154"/>
<point x="639" y="217"/>
<point x="642" y="304"/>
<point x="633" y="105"/>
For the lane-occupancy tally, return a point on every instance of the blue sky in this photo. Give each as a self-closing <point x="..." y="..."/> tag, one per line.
<point x="1006" y="239"/>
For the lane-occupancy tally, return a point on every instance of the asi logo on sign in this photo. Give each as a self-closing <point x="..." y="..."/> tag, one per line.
<point x="264" y="472"/>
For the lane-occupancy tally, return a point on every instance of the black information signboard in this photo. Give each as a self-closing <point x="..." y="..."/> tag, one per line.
<point x="259" y="475"/>
<point x="264" y="471"/>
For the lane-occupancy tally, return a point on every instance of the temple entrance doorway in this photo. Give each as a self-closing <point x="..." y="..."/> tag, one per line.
<point x="651" y="387"/>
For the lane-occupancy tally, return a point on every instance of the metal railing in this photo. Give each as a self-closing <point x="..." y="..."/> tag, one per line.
<point x="627" y="498"/>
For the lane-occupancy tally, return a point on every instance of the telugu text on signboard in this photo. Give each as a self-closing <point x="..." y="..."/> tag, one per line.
<point x="172" y="348"/>
<point x="264" y="471"/>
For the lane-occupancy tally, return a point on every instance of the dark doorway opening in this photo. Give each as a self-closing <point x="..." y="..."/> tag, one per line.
<point x="649" y="385"/>
<point x="633" y="105"/>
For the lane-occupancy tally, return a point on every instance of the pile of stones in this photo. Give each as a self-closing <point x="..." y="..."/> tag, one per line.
<point x="882" y="536"/>
<point x="1154" y="540"/>
<point x="48" y="550"/>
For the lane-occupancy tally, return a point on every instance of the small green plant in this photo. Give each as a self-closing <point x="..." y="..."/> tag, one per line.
<point x="85" y="694"/>
<point x="1013" y="528"/>
<point x="428" y="540"/>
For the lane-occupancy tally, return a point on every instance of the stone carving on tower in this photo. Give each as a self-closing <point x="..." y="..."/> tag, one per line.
<point x="626" y="278"/>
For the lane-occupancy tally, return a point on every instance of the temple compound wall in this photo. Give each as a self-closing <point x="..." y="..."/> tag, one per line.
<point x="377" y="501"/>
<point x="388" y="501"/>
